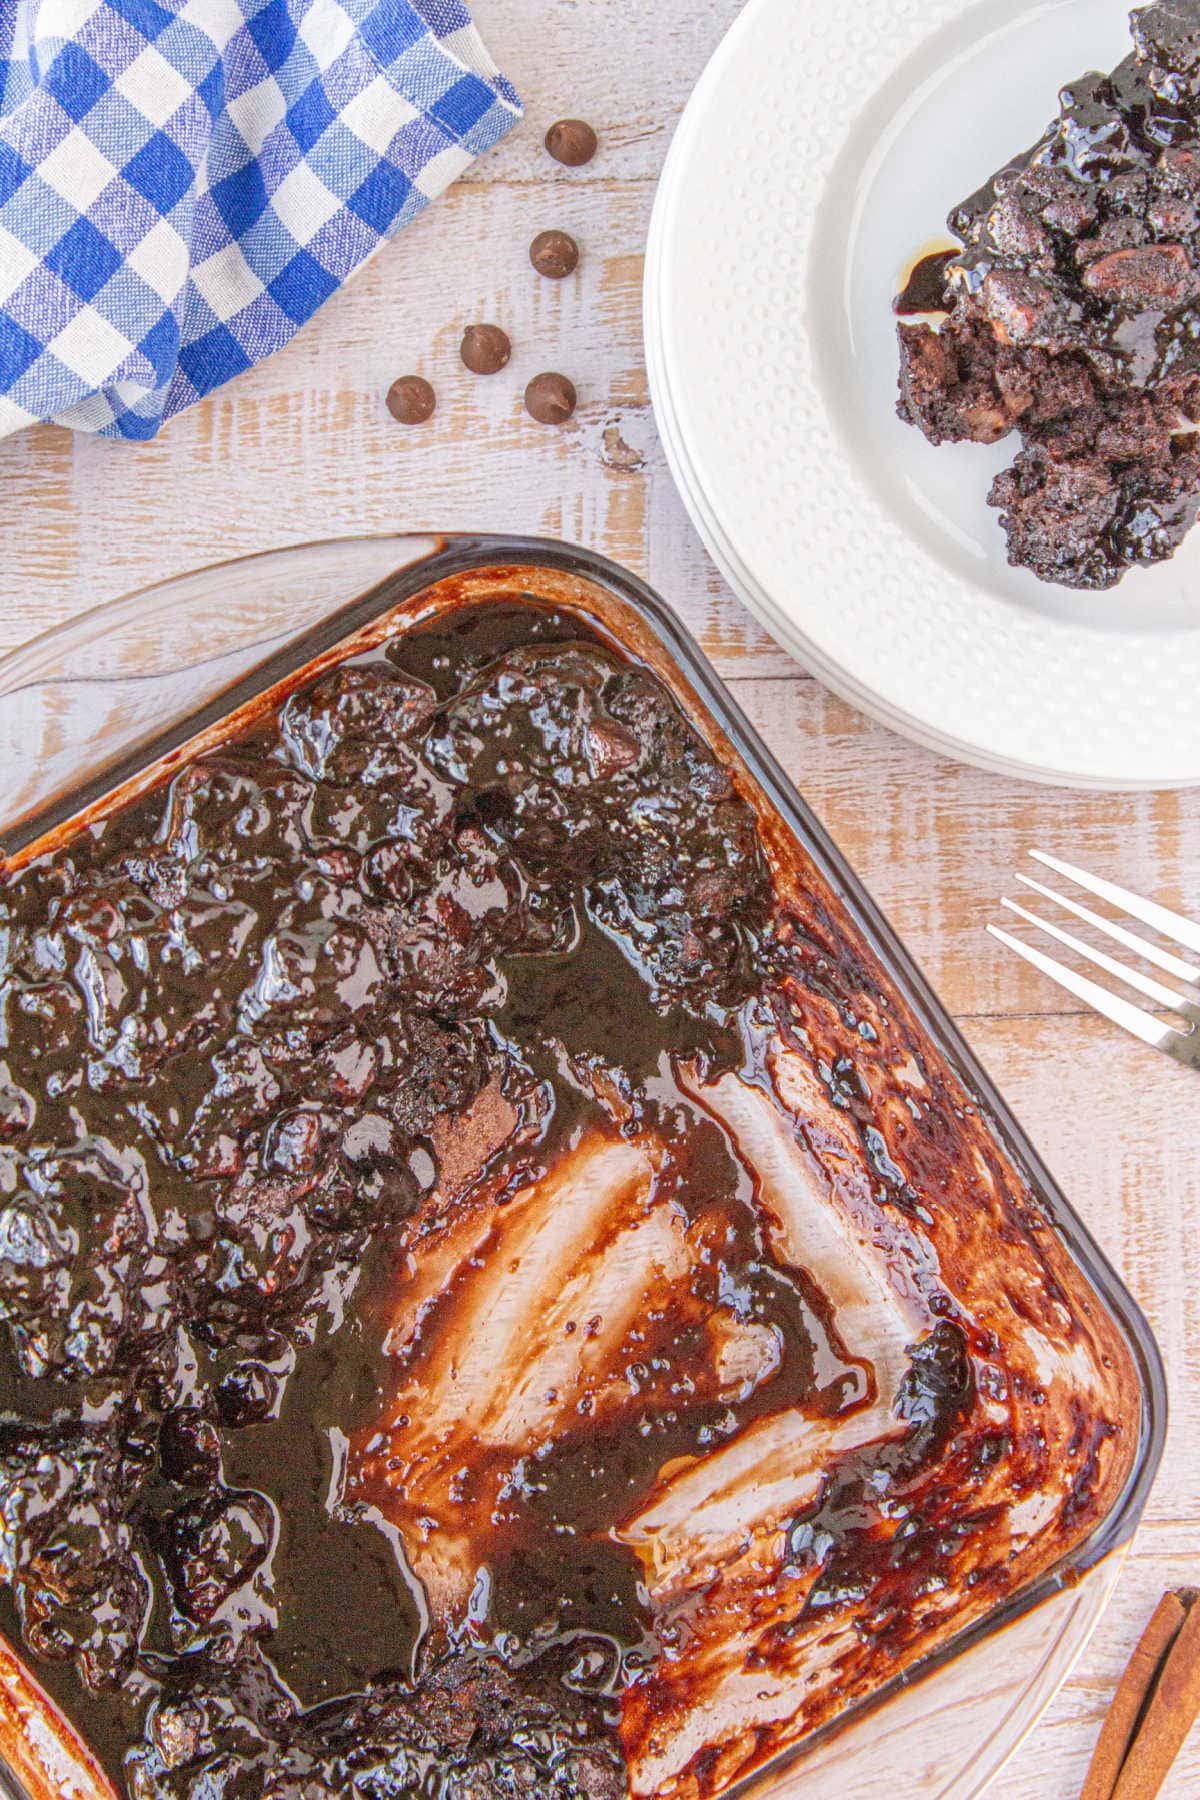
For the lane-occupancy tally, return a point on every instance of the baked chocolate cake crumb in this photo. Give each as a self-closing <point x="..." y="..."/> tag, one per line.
<point x="472" y="1731"/>
<point x="1073" y="318"/>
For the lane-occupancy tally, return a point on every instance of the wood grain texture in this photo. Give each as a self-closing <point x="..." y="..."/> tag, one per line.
<point x="302" y="448"/>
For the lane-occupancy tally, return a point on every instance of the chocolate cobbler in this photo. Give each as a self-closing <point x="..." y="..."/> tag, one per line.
<point x="500" y="1296"/>
<point x="1072" y="317"/>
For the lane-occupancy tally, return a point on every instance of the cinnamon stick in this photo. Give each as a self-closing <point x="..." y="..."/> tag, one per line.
<point x="1129" y="1701"/>
<point x="1173" y="1708"/>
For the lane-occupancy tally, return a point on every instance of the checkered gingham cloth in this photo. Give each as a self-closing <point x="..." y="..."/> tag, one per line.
<point x="183" y="185"/>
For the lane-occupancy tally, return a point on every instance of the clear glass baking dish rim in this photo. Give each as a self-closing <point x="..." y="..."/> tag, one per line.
<point x="434" y="557"/>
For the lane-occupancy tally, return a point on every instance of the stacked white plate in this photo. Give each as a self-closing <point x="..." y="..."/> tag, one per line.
<point x="819" y="155"/>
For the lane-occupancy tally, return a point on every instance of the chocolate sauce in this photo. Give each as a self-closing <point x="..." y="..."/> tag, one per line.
<point x="925" y="289"/>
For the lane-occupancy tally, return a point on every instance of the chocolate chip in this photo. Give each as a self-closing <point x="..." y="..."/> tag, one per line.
<point x="572" y="142"/>
<point x="248" y="1394"/>
<point x="411" y="400"/>
<point x="550" y="399"/>
<point x="485" y="349"/>
<point x="555" y="254"/>
<point x="188" y="1447"/>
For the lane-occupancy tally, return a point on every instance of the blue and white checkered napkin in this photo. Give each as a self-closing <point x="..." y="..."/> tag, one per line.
<point x="184" y="182"/>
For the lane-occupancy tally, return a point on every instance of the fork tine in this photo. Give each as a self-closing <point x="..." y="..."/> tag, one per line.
<point x="1160" y="918"/>
<point x="1121" y="1012"/>
<point x="1132" y="940"/>
<point x="1144" y="984"/>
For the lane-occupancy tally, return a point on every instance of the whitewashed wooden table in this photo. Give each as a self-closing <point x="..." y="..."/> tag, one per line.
<point x="303" y="447"/>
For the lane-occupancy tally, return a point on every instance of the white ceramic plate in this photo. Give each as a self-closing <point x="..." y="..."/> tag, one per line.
<point x="821" y="150"/>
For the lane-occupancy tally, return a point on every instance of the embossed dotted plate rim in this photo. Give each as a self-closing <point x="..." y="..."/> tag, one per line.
<point x="785" y="507"/>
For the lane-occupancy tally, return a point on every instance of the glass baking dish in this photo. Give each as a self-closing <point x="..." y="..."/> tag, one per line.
<point x="136" y="685"/>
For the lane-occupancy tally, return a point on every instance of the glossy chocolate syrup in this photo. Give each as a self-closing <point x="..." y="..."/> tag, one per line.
<point x="925" y="289"/>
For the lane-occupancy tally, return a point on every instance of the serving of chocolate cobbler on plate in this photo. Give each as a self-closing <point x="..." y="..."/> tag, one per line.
<point x="1070" y="315"/>
<point x="501" y="1292"/>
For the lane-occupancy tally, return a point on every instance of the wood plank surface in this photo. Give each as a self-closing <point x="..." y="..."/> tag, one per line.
<point x="302" y="447"/>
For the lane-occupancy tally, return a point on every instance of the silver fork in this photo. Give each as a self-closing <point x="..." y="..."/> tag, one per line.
<point x="1181" y="1041"/>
